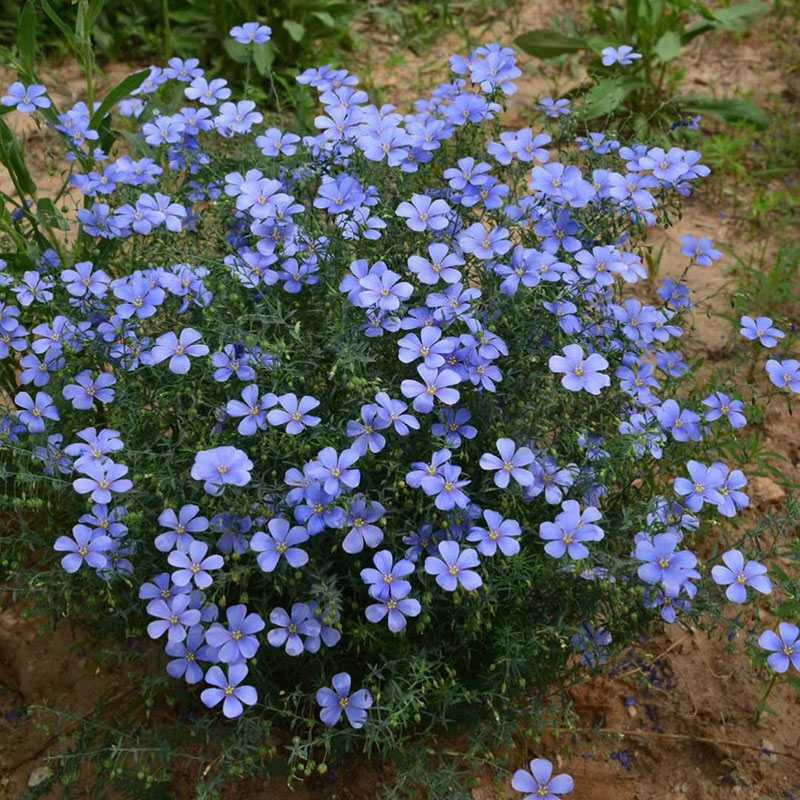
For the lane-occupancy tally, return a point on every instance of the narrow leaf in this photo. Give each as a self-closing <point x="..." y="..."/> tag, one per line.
<point x="26" y="37"/>
<point x="729" y="109"/>
<point x="119" y="92"/>
<point x="548" y="44"/>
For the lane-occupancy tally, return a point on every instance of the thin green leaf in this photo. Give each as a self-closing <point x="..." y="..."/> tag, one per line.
<point x="740" y="17"/>
<point x="730" y="109"/>
<point x="119" y="92"/>
<point x="548" y="43"/>
<point x="26" y="37"/>
<point x="12" y="158"/>
<point x="59" y="23"/>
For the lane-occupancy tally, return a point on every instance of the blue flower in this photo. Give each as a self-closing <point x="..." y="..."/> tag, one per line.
<point x="511" y="464"/>
<point x="339" y="699"/>
<point x="423" y="213"/>
<point x="220" y="467"/>
<point x="281" y="541"/>
<point x="762" y="329"/>
<point x="362" y="518"/>
<point x="501" y="534"/>
<point x="453" y="566"/>
<point x="288" y="629"/>
<point x="228" y="691"/>
<point x="452" y="426"/>
<point x="623" y="55"/>
<point x="571" y="528"/>
<point x="294" y="413"/>
<point x="193" y="565"/>
<point x="252" y="409"/>
<point x="720" y="405"/>
<point x="85" y="391"/>
<point x="579" y="372"/>
<point x="251" y="33"/>
<point x="436" y="384"/>
<point x="84" y="547"/>
<point x="34" y="413"/>
<point x="737" y="575"/>
<point x="238" y="641"/>
<point x="785" y="374"/>
<point x="26" y="99"/>
<point x="662" y="564"/>
<point x="700" y="250"/>
<point x="396" y="610"/>
<point x="784" y="647"/>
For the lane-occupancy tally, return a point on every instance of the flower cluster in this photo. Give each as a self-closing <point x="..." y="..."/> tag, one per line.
<point x="375" y="388"/>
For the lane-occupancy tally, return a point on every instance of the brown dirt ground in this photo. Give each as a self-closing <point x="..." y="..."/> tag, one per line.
<point x="691" y="734"/>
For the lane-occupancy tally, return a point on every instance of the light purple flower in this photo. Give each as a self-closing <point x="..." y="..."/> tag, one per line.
<point x="294" y="414"/>
<point x="251" y="33"/>
<point x="252" y="409"/>
<point x="762" y="329"/>
<point x="387" y="579"/>
<point x="85" y="391"/>
<point x="785" y="374"/>
<point x="288" y="629"/>
<point x="441" y="263"/>
<point x="539" y="783"/>
<point x="501" y="534"/>
<point x="33" y="413"/>
<point x="737" y="575"/>
<point x="511" y="464"/>
<point x="384" y="291"/>
<point x="423" y="213"/>
<point x="570" y="529"/>
<point x="720" y="405"/>
<point x="178" y="349"/>
<point x="237" y="641"/>
<point x="193" y="565"/>
<point x="102" y="478"/>
<point x="483" y="243"/>
<point x="784" y="646"/>
<point x="220" y="467"/>
<point x="281" y="541"/>
<point x="698" y="490"/>
<point x="180" y="526"/>
<point x="208" y="93"/>
<point x="662" y="564"/>
<point x="334" y="470"/>
<point x="700" y="250"/>
<point x="173" y="617"/>
<point x="228" y="690"/>
<point x="396" y="610"/>
<point x="27" y="99"/>
<point x="579" y="372"/>
<point x="362" y="518"/>
<point x="623" y="55"/>
<point x="339" y="699"/>
<point x="436" y="384"/>
<point x="453" y="566"/>
<point x="84" y="546"/>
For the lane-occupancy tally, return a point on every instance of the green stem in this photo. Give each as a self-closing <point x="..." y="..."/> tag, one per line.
<point x="167" y="29"/>
<point x="762" y="705"/>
